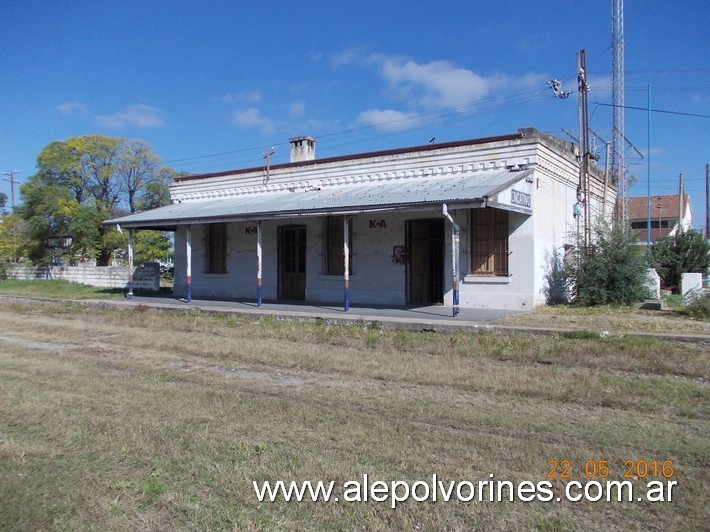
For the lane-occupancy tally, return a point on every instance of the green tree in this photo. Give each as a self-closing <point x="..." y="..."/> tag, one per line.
<point x="151" y="246"/>
<point x="139" y="172"/>
<point x="156" y="193"/>
<point x="46" y="208"/>
<point x="686" y="252"/>
<point x="14" y="238"/>
<point x="84" y="181"/>
<point x="612" y="270"/>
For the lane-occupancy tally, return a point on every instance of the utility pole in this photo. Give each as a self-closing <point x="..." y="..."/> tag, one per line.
<point x="707" y="201"/>
<point x="11" y="179"/>
<point x="583" y="190"/>
<point x="267" y="157"/>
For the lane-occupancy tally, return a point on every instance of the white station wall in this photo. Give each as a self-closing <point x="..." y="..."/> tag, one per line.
<point x="375" y="278"/>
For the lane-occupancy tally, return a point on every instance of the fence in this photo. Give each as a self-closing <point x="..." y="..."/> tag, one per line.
<point x="146" y="277"/>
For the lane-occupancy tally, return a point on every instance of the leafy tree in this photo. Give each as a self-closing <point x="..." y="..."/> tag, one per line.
<point x="46" y="208"/>
<point x="139" y="172"/>
<point x="99" y="158"/>
<point x="85" y="166"/>
<point x="156" y="193"/>
<point x="14" y="238"/>
<point x="85" y="229"/>
<point x="3" y="200"/>
<point x="672" y="256"/>
<point x="151" y="246"/>
<point x="612" y="270"/>
<point x="59" y="164"/>
<point x="83" y="181"/>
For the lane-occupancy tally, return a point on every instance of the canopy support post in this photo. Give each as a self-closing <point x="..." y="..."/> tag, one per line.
<point x="346" y="264"/>
<point x="129" y="295"/>
<point x="455" y="231"/>
<point x="188" y="269"/>
<point x="258" y="263"/>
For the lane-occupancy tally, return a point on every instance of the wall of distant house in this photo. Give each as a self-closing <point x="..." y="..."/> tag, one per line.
<point x="145" y="277"/>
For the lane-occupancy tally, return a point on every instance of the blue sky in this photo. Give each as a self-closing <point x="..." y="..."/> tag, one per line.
<point x="214" y="85"/>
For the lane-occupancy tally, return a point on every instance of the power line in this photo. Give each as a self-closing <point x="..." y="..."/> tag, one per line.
<point x="445" y="115"/>
<point x="680" y="113"/>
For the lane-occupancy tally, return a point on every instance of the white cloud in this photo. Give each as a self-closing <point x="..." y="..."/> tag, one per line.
<point x="348" y="56"/>
<point x="297" y="109"/>
<point x="71" y="108"/>
<point x="440" y="83"/>
<point x="599" y="86"/>
<point x="699" y="98"/>
<point x="138" y="115"/>
<point x="437" y="84"/>
<point x="315" y="55"/>
<point x="252" y="118"/>
<point x="388" y="119"/>
<point x="240" y="97"/>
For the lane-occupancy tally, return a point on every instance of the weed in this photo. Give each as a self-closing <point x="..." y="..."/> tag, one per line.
<point x="151" y="490"/>
<point x="699" y="308"/>
<point x="580" y="335"/>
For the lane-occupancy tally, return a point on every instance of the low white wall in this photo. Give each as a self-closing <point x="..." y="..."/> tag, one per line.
<point x="691" y="286"/>
<point x="145" y="277"/>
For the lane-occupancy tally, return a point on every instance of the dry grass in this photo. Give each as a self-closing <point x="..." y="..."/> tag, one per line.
<point x="136" y="419"/>
<point x="615" y="320"/>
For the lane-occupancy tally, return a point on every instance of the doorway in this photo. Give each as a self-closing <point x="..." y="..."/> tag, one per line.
<point x="292" y="262"/>
<point x="425" y="261"/>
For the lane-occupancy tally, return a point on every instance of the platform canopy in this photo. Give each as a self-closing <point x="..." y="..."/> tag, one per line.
<point x="495" y="188"/>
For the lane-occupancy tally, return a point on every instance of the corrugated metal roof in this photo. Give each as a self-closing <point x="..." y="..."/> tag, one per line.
<point x="376" y="195"/>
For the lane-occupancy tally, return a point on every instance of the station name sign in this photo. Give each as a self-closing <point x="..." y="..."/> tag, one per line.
<point x="520" y="198"/>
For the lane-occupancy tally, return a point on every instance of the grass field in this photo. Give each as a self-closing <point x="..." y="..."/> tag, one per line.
<point x="133" y="419"/>
<point x="59" y="289"/>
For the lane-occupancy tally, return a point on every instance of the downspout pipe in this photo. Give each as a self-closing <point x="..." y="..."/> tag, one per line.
<point x="455" y="231"/>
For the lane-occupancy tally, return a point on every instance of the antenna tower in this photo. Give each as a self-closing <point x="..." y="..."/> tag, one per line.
<point x="618" y="166"/>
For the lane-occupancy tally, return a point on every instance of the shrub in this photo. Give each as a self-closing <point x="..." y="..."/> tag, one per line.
<point x="555" y="289"/>
<point x="672" y="256"/>
<point x="611" y="270"/>
<point x="699" y="307"/>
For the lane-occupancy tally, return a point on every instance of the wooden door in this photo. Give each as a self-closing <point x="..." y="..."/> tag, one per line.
<point x="292" y="262"/>
<point x="425" y="261"/>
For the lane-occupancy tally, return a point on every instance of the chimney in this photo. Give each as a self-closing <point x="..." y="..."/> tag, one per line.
<point x="302" y="149"/>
